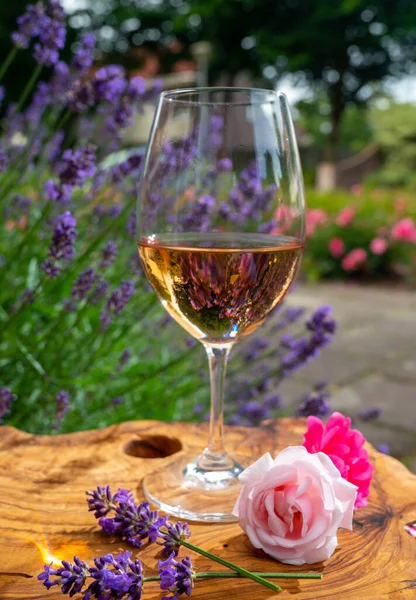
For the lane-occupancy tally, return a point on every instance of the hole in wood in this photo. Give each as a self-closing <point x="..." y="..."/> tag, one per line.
<point x="153" y="446"/>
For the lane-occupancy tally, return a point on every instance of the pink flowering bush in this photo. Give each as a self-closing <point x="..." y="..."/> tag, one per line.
<point x="344" y="446"/>
<point x="364" y="234"/>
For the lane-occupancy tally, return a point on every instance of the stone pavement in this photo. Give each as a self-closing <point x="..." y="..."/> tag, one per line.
<point x="371" y="362"/>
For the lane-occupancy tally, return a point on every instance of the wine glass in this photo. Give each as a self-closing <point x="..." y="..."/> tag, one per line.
<point x="220" y="234"/>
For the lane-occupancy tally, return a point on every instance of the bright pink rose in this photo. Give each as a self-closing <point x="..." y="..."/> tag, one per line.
<point x="345" y="216"/>
<point x="404" y="229"/>
<point x="292" y="506"/>
<point x="378" y="245"/>
<point x="315" y="217"/>
<point x="354" y="259"/>
<point x="344" y="446"/>
<point x="336" y="247"/>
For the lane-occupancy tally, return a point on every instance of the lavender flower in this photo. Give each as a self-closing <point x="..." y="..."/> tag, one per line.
<point x="117" y="301"/>
<point x="76" y="166"/>
<point x="71" y="577"/>
<point x="299" y="351"/>
<point x="131" y="223"/>
<point x="255" y="411"/>
<point x="46" y="22"/>
<point x="124" y="359"/>
<point x="62" y="407"/>
<point x="6" y="399"/>
<point x="108" y="255"/>
<point x="315" y="404"/>
<point x="83" y="284"/>
<point x="84" y="56"/>
<point x="133" y="523"/>
<point x="29" y="24"/>
<point x="370" y="414"/>
<point x="129" y="166"/>
<point x="4" y="159"/>
<point x="62" y="246"/>
<point x="113" y="578"/>
<point x="99" y="292"/>
<point x="176" y="577"/>
<point x="254" y="349"/>
<point x="383" y="448"/>
<point x="173" y="536"/>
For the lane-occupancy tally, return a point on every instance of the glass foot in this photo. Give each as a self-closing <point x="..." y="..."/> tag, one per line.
<point x="188" y="489"/>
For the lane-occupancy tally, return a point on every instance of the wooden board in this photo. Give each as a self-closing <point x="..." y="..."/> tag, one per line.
<point x="43" y="512"/>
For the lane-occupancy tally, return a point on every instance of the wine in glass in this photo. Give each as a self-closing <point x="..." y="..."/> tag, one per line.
<point x="220" y="235"/>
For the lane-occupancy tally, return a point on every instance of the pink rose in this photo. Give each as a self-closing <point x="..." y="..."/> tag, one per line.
<point x="354" y="259"/>
<point x="292" y="506"/>
<point x="345" y="216"/>
<point x="344" y="446"/>
<point x="404" y="230"/>
<point x="336" y="247"/>
<point x="357" y="189"/>
<point x="378" y="245"/>
<point x="314" y="217"/>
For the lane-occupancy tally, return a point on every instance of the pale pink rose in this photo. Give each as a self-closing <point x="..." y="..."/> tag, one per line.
<point x="336" y="247"/>
<point x="404" y="229"/>
<point x="344" y="446"/>
<point x="354" y="259"/>
<point x="292" y="506"/>
<point x="378" y="245"/>
<point x="345" y="216"/>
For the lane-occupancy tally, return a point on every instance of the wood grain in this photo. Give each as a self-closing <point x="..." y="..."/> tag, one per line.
<point x="43" y="513"/>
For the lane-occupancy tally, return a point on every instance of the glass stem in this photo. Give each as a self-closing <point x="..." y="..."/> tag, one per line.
<point x="215" y="451"/>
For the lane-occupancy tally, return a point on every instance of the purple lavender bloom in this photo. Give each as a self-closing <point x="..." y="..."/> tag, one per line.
<point x="225" y="164"/>
<point x="254" y="411"/>
<point x="115" y="577"/>
<point x="52" y="35"/>
<point x="63" y="237"/>
<point x="29" y="25"/>
<point x="173" y="536"/>
<point x="4" y="159"/>
<point x="50" y="269"/>
<point x="99" y="292"/>
<point x="176" y="577"/>
<point x="84" y="56"/>
<point x="84" y="284"/>
<point x="108" y="255"/>
<point x="117" y="301"/>
<point x="124" y="359"/>
<point x="315" y="404"/>
<point x="370" y="414"/>
<point x="273" y="400"/>
<point x="71" y="577"/>
<point x="62" y="407"/>
<point x="6" y="399"/>
<point x="129" y="166"/>
<point x="383" y="448"/>
<point x="199" y="218"/>
<point x="101" y="501"/>
<point x="2" y="94"/>
<point x="254" y="349"/>
<point x="53" y="148"/>
<point x="131" y="223"/>
<point x="117" y="401"/>
<point x="77" y="165"/>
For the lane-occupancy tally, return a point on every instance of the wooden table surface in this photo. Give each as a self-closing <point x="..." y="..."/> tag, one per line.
<point x="43" y="513"/>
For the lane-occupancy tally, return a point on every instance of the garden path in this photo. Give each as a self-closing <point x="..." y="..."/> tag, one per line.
<point x="371" y="362"/>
